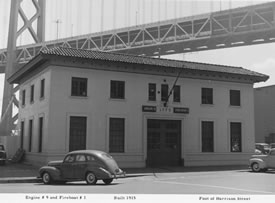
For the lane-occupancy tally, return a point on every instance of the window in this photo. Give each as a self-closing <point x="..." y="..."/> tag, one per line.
<point x="69" y="158"/>
<point x="78" y="129"/>
<point x="22" y="130"/>
<point x="176" y="93"/>
<point x="80" y="158"/>
<point x="90" y="158"/>
<point x="40" y="134"/>
<point x="23" y="97"/>
<point x="236" y="136"/>
<point x="42" y="88"/>
<point x="207" y="96"/>
<point x="207" y="136"/>
<point x="235" y="97"/>
<point x="116" y="133"/>
<point x="117" y="89"/>
<point x="164" y="92"/>
<point x="79" y="87"/>
<point x="30" y="134"/>
<point x="152" y="90"/>
<point x="32" y="94"/>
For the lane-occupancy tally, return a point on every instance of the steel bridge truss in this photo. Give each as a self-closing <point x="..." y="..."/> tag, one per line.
<point x="10" y="57"/>
<point x="230" y="28"/>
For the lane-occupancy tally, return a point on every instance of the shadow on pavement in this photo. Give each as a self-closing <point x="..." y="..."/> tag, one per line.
<point x="78" y="183"/>
<point x="269" y="171"/>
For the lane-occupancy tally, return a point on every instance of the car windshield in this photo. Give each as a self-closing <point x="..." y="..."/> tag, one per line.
<point x="263" y="146"/>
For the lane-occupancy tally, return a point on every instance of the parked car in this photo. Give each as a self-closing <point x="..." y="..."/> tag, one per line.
<point x="272" y="145"/>
<point x="3" y="155"/>
<point x="263" y="162"/>
<point x="258" y="151"/>
<point x="263" y="147"/>
<point x="88" y="165"/>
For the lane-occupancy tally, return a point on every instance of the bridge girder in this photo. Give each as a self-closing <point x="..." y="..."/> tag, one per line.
<point x="236" y="27"/>
<point x="231" y="28"/>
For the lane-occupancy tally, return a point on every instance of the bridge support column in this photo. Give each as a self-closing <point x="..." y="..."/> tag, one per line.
<point x="7" y="124"/>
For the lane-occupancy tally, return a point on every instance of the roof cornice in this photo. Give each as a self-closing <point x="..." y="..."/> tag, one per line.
<point x="143" y="65"/>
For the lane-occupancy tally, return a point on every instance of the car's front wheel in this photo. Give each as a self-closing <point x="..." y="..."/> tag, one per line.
<point x="256" y="167"/>
<point x="91" y="178"/>
<point x="108" y="181"/>
<point x="46" y="178"/>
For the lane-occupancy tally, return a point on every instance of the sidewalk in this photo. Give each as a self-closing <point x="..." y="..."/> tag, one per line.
<point x="18" y="173"/>
<point x="27" y="173"/>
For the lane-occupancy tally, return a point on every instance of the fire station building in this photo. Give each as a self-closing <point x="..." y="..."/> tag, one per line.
<point x="143" y="111"/>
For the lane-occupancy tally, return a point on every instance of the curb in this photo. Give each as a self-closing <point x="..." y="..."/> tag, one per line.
<point x="135" y="173"/>
<point x="21" y="180"/>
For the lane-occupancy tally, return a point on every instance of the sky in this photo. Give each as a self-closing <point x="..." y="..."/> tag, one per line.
<point x="76" y="19"/>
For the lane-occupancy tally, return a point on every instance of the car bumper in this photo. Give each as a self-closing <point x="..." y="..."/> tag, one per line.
<point x="121" y="174"/>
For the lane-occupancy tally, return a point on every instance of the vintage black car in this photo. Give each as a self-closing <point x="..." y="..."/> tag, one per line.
<point x="3" y="155"/>
<point x="88" y="165"/>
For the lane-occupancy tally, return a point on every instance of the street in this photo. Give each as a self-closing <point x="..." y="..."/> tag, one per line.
<point x="215" y="182"/>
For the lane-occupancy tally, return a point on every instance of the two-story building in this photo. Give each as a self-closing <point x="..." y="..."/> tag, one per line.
<point x="264" y="99"/>
<point x="143" y="111"/>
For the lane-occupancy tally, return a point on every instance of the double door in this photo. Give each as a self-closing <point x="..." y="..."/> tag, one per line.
<point x="163" y="143"/>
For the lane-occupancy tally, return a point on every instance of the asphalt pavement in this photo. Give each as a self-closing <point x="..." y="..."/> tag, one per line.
<point x="27" y="173"/>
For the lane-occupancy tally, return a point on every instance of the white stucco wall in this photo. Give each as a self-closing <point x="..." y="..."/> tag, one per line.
<point x="98" y="107"/>
<point x="58" y="106"/>
<point x="39" y="108"/>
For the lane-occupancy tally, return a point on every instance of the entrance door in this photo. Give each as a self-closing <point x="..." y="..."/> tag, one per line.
<point x="163" y="142"/>
<point x="78" y="127"/>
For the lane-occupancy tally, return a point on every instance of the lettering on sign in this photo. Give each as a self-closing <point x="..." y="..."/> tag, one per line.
<point x="149" y="109"/>
<point x="162" y="109"/>
<point x="165" y="109"/>
<point x="181" y="110"/>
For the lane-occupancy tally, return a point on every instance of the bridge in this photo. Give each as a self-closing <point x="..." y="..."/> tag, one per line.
<point x="229" y="28"/>
<point x="249" y="25"/>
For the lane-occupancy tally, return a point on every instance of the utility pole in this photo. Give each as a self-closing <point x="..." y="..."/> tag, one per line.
<point x="102" y="16"/>
<point x="57" y="27"/>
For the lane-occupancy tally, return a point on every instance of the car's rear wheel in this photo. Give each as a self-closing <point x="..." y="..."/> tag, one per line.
<point x="108" y="181"/>
<point x="91" y="178"/>
<point x="46" y="178"/>
<point x="256" y="167"/>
